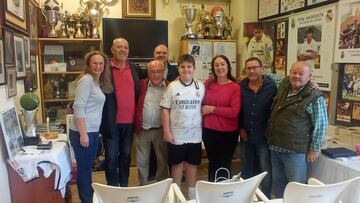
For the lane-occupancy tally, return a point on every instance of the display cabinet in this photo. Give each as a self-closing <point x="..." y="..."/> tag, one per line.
<point x="61" y="64"/>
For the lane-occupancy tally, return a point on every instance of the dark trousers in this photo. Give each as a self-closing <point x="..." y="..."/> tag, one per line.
<point x="220" y="147"/>
<point x="256" y="159"/>
<point x="117" y="155"/>
<point x="84" y="159"/>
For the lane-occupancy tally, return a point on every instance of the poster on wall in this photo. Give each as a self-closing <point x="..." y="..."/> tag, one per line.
<point x="356" y="111"/>
<point x="347" y="48"/>
<point x="268" y="8"/>
<point x="202" y="53"/>
<point x="229" y="50"/>
<point x="259" y="38"/>
<point x="343" y="111"/>
<point x="281" y="43"/>
<point x="350" y="87"/>
<point x="308" y="32"/>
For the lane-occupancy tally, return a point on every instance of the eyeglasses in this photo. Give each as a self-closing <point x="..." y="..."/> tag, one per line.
<point x="251" y="68"/>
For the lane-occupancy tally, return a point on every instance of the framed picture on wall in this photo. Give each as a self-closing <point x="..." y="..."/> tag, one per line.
<point x="19" y="56"/>
<point x="15" y="14"/>
<point x="9" y="47"/>
<point x="267" y="8"/>
<point x="33" y="19"/>
<point x="2" y="64"/>
<point x="138" y="9"/>
<point x="11" y="81"/>
<point x="291" y="5"/>
<point x="33" y="67"/>
<point x="11" y="131"/>
<point x="27" y="52"/>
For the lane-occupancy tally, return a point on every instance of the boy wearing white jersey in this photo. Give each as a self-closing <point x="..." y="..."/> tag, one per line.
<point x="181" y="119"/>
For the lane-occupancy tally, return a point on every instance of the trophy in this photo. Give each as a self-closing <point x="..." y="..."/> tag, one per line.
<point x="51" y="12"/>
<point x="228" y="27"/>
<point x="189" y="13"/>
<point x="94" y="9"/>
<point x="63" y="17"/>
<point x="30" y="119"/>
<point x="219" y="24"/>
<point x="200" y="25"/>
<point x="77" y="18"/>
<point x="70" y="26"/>
<point x="207" y="20"/>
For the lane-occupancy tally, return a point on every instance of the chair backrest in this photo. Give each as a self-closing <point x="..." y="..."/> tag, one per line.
<point x="315" y="193"/>
<point x="233" y="192"/>
<point x="154" y="193"/>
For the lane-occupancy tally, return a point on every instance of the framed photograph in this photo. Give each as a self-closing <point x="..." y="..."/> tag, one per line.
<point x="347" y="47"/>
<point x="138" y="9"/>
<point x="350" y="87"/>
<point x="19" y="56"/>
<point x="33" y="66"/>
<point x="15" y="14"/>
<point x="267" y="8"/>
<point x="2" y="64"/>
<point x="356" y="111"/>
<point x="11" y="131"/>
<point x="291" y="5"/>
<point x="33" y="19"/>
<point x="343" y="111"/>
<point x="27" y="52"/>
<point x="9" y="57"/>
<point x="11" y="81"/>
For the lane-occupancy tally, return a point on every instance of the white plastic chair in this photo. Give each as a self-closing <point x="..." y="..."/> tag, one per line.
<point x="232" y="192"/>
<point x="175" y="195"/>
<point x="314" y="192"/>
<point x="153" y="193"/>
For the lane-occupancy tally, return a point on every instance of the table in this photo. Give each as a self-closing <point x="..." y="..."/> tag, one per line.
<point x="330" y="171"/>
<point x="55" y="161"/>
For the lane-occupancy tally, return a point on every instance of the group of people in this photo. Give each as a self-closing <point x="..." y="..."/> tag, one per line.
<point x="168" y="108"/>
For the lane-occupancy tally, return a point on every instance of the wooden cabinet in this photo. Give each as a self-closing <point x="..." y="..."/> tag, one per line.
<point x="61" y="64"/>
<point x="203" y="50"/>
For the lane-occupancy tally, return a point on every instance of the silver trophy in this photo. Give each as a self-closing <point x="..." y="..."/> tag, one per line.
<point x="94" y="9"/>
<point x="189" y="13"/>
<point x="51" y="10"/>
<point x="30" y="119"/>
<point x="219" y="24"/>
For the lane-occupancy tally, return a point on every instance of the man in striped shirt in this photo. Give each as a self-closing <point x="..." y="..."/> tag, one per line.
<point x="296" y="128"/>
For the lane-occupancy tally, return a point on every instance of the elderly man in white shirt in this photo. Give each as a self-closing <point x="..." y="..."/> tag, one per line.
<point x="148" y="123"/>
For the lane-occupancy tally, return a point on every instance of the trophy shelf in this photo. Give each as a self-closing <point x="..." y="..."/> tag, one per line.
<point x="61" y="64"/>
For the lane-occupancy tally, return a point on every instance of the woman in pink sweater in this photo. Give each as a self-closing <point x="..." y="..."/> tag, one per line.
<point x="220" y="116"/>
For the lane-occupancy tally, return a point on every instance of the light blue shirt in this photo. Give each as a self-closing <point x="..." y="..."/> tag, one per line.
<point x="88" y="104"/>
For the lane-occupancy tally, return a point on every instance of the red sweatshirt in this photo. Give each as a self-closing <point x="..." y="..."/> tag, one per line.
<point x="226" y="99"/>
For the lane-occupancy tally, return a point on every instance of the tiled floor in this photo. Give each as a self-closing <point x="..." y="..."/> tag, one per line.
<point x="133" y="181"/>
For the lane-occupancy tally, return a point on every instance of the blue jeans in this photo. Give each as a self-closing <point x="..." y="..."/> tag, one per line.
<point x="117" y="155"/>
<point x="84" y="160"/>
<point x="251" y="154"/>
<point x="287" y="167"/>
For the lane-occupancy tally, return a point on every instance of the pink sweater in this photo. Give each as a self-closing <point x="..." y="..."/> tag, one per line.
<point x="226" y="99"/>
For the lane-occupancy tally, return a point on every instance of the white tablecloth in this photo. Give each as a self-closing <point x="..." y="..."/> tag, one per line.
<point x="330" y="171"/>
<point x="57" y="158"/>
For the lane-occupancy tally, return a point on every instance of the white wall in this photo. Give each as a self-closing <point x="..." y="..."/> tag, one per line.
<point x="4" y="104"/>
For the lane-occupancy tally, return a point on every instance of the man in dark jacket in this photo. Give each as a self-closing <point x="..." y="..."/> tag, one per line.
<point x="170" y="71"/>
<point x="296" y="128"/>
<point x="117" y="126"/>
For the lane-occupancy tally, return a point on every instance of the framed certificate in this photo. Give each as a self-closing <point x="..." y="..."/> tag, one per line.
<point x="290" y="5"/>
<point x="268" y="8"/>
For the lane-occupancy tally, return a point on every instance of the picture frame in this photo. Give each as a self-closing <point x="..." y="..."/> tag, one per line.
<point x="19" y="56"/>
<point x="11" y="81"/>
<point x="33" y="19"/>
<point x="2" y="64"/>
<point x="33" y="66"/>
<point x="11" y="130"/>
<point x="287" y="6"/>
<point x="27" y="52"/>
<point x="9" y="57"/>
<point x="268" y="9"/>
<point x="133" y="9"/>
<point x="16" y="14"/>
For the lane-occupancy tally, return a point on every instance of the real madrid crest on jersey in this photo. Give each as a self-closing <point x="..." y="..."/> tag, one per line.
<point x="197" y="93"/>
